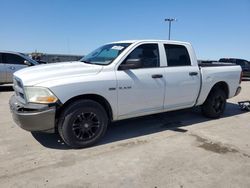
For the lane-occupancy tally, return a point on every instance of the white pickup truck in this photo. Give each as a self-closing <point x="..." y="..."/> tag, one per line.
<point x="117" y="81"/>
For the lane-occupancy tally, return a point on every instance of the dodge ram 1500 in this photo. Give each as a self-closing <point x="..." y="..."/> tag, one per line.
<point x="117" y="81"/>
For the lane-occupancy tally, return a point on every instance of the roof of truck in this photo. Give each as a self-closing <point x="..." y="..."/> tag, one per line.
<point x="151" y="40"/>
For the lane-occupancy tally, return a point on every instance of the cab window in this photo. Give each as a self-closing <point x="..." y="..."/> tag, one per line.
<point x="148" y="55"/>
<point x="177" y="55"/>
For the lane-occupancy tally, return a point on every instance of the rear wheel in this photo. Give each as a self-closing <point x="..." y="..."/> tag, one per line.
<point x="82" y="123"/>
<point x="215" y="104"/>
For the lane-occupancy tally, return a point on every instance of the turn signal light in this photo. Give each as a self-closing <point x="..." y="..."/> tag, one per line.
<point x="47" y="99"/>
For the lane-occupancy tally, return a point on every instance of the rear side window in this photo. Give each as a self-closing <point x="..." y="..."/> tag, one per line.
<point x="12" y="59"/>
<point x="177" y="55"/>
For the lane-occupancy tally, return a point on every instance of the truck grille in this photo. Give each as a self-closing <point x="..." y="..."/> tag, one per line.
<point x="18" y="88"/>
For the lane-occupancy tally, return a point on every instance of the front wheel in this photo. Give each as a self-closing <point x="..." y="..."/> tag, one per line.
<point x="215" y="104"/>
<point x="82" y="123"/>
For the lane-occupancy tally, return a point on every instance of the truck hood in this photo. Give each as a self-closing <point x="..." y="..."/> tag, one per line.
<point x="48" y="72"/>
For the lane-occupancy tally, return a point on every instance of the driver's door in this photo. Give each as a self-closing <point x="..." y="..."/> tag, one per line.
<point x="141" y="90"/>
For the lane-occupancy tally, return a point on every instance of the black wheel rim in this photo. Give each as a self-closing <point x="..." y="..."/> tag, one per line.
<point x="218" y="104"/>
<point x="86" y="126"/>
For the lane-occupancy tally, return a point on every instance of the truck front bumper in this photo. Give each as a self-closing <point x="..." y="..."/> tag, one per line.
<point x="33" y="117"/>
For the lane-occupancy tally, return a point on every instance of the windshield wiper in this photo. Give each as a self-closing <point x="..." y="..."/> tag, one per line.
<point x="84" y="61"/>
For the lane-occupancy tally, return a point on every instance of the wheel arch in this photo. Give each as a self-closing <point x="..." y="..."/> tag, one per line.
<point x="95" y="97"/>
<point x="220" y="85"/>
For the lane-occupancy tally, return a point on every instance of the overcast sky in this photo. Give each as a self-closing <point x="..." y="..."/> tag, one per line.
<point x="216" y="28"/>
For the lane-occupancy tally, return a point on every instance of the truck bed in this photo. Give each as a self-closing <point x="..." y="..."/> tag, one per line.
<point x="216" y="72"/>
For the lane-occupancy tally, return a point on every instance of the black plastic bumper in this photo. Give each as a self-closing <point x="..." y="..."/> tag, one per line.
<point x="33" y="117"/>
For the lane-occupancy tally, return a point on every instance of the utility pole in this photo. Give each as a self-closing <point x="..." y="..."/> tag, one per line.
<point x="169" y="20"/>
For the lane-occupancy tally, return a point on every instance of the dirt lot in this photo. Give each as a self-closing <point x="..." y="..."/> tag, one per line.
<point x="177" y="149"/>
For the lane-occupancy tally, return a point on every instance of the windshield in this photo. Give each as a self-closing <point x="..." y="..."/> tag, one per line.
<point x="105" y="54"/>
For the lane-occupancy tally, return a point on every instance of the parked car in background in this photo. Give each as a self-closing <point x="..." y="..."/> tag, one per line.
<point x="10" y="62"/>
<point x="245" y="65"/>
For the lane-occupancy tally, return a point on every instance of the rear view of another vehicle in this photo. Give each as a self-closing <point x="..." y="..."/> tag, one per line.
<point x="246" y="70"/>
<point x="11" y="62"/>
<point x="245" y="65"/>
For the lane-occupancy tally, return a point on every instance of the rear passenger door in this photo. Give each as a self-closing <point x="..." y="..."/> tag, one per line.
<point x="182" y="78"/>
<point x="2" y="70"/>
<point x="13" y="63"/>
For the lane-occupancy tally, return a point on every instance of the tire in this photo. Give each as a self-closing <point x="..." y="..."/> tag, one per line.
<point x="215" y="104"/>
<point x="82" y="123"/>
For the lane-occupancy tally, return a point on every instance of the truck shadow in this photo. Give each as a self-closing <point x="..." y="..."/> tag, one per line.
<point x="131" y="128"/>
<point x="6" y="88"/>
<point x="173" y="121"/>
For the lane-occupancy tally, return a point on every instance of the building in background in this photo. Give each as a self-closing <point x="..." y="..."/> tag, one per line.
<point x="53" y="58"/>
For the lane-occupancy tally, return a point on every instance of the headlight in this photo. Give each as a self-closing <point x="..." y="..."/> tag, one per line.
<point x="39" y="95"/>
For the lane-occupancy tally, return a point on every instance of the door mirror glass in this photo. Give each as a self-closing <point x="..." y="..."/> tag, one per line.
<point x="131" y="64"/>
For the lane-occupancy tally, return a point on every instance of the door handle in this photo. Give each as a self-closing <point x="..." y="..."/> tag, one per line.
<point x="12" y="68"/>
<point x="193" y="73"/>
<point x="157" y="76"/>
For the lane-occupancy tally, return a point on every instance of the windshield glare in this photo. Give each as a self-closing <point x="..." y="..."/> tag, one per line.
<point x="105" y="54"/>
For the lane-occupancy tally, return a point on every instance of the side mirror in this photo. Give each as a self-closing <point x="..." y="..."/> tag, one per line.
<point x="131" y="64"/>
<point x="27" y="63"/>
